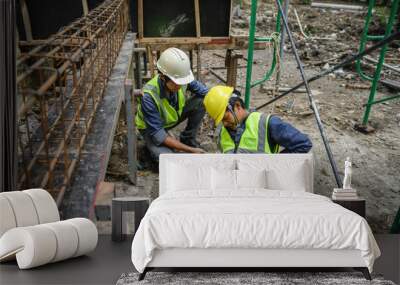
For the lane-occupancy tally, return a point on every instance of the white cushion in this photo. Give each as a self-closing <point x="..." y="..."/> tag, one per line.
<point x="23" y="208"/>
<point x="46" y="207"/>
<point x="87" y="235"/>
<point x="223" y="179"/>
<point x="292" y="172"/>
<point x="7" y="218"/>
<point x="37" y="245"/>
<point x="33" y="246"/>
<point x="280" y="180"/>
<point x="67" y="240"/>
<point x="26" y="208"/>
<point x="180" y="172"/>
<point x="183" y="177"/>
<point x="251" y="179"/>
<point x="283" y="163"/>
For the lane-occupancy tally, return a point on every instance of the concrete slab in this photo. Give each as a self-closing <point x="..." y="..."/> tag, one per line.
<point x="79" y="199"/>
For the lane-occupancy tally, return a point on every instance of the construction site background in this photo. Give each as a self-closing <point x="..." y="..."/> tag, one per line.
<point x="324" y="37"/>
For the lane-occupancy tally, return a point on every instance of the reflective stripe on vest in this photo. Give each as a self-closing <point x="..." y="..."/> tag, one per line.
<point x="168" y="114"/>
<point x="253" y="140"/>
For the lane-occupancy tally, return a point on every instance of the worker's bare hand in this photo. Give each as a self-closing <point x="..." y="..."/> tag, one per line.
<point x="171" y="135"/>
<point x="198" y="150"/>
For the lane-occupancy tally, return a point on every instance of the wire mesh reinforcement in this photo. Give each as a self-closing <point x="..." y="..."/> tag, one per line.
<point x="60" y="82"/>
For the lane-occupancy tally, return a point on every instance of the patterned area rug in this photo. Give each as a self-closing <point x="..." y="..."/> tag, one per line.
<point x="232" y="278"/>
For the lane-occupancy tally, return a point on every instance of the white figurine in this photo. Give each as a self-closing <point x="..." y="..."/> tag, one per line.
<point x="347" y="174"/>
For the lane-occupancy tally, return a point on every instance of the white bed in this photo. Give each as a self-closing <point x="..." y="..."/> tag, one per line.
<point x="242" y="210"/>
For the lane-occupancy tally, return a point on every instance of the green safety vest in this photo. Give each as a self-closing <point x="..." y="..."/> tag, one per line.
<point x="168" y="114"/>
<point x="253" y="140"/>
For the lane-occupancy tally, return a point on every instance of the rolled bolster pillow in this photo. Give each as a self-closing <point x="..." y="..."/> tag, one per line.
<point x="37" y="245"/>
<point x="67" y="240"/>
<point x="26" y="208"/>
<point x="46" y="207"/>
<point x="7" y="218"/>
<point x="87" y="235"/>
<point x="33" y="246"/>
<point x="23" y="208"/>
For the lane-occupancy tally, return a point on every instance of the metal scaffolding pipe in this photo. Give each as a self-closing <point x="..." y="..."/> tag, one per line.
<point x="311" y="98"/>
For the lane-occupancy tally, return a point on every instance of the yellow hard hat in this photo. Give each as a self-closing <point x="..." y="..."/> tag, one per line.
<point x="216" y="102"/>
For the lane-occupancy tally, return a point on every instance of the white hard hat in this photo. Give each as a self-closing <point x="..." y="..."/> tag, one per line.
<point x="175" y="64"/>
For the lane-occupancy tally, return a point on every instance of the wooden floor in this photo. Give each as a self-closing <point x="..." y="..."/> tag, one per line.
<point x="106" y="264"/>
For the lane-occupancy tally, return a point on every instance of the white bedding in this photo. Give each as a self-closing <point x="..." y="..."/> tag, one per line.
<point x="253" y="218"/>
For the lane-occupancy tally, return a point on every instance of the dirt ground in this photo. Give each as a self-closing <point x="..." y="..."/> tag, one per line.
<point x="332" y="35"/>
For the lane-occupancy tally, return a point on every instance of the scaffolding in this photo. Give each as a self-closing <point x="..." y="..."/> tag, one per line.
<point x="273" y="39"/>
<point x="379" y="64"/>
<point x="60" y="84"/>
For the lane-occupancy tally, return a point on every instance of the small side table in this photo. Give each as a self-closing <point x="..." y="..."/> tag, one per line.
<point x="357" y="206"/>
<point x="139" y="205"/>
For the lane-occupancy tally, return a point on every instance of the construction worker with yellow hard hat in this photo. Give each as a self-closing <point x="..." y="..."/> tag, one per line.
<point x="164" y="105"/>
<point x="250" y="132"/>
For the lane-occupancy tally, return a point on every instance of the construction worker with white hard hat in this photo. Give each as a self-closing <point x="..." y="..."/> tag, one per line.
<point x="164" y="105"/>
<point x="250" y="132"/>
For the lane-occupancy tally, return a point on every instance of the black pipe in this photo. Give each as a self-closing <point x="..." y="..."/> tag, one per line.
<point x="8" y="97"/>
<point x="310" y="97"/>
<point x="351" y="59"/>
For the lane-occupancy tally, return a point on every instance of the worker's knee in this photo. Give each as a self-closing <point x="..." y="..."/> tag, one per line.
<point x="195" y="103"/>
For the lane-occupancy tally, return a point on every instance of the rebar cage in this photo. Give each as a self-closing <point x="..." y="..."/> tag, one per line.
<point x="61" y="82"/>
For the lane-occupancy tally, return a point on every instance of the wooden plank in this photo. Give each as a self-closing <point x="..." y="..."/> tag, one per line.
<point x="130" y="119"/>
<point x="161" y="47"/>
<point x="394" y="68"/>
<point x="390" y="83"/>
<point x="235" y="43"/>
<point x="231" y="63"/>
<point x="191" y="40"/>
<point x="174" y="40"/>
<point x="27" y="20"/>
<point x="85" y="7"/>
<point x="140" y="18"/>
<point x="230" y="18"/>
<point x="338" y="6"/>
<point x="197" y="17"/>
<point x="151" y="60"/>
<point x="199" y="77"/>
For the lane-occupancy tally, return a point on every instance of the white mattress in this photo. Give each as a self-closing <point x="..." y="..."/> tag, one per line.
<point x="257" y="218"/>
